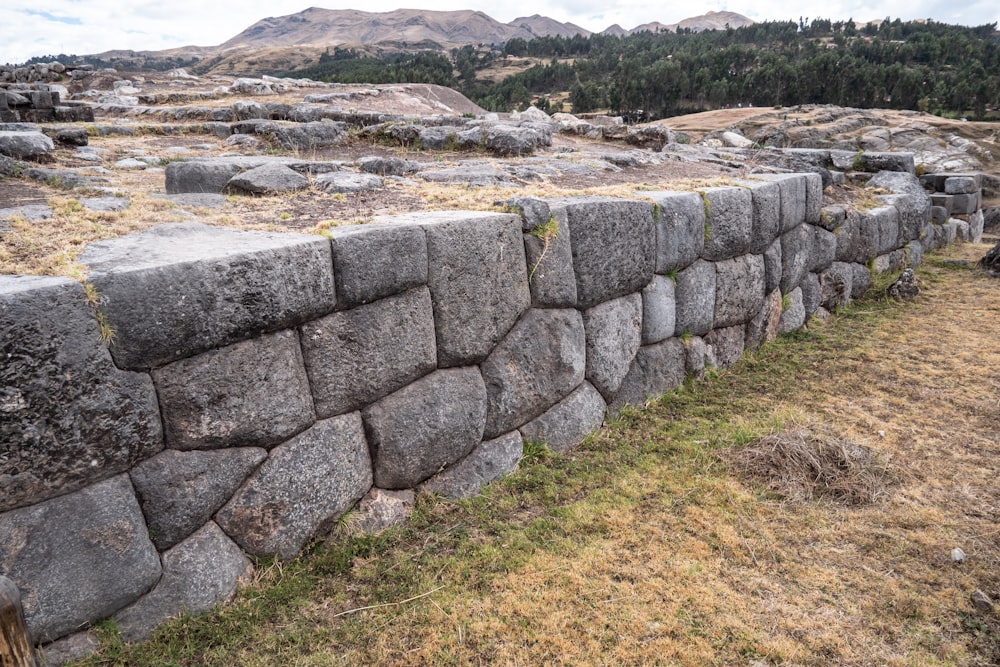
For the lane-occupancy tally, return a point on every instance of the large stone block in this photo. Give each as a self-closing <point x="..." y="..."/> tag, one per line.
<point x="199" y="573"/>
<point x="857" y="238"/>
<point x="695" y="290"/>
<point x="861" y="280"/>
<point x="371" y="261"/>
<point x="814" y="197"/>
<point x="897" y="182"/>
<point x="179" y="289"/>
<point x="614" y="333"/>
<point x="914" y="213"/>
<point x="614" y="246"/>
<point x="728" y="344"/>
<point x="836" y="286"/>
<point x="796" y="256"/>
<point x="355" y="357"/>
<point x="549" y="253"/>
<point x="659" y="310"/>
<point x="729" y="222"/>
<point x="772" y="266"/>
<point x="490" y="461"/>
<point x="794" y="193"/>
<point x="811" y="295"/>
<point x="680" y="229"/>
<point x="539" y="362"/>
<point x="960" y="185"/>
<point x="656" y="370"/>
<point x="886" y="220"/>
<point x="764" y="325"/>
<point x="478" y="279"/>
<point x="766" y="200"/>
<point x="225" y="397"/>
<point x="794" y="314"/>
<point x="824" y="249"/>
<point x="568" y="422"/>
<point x="68" y="416"/>
<point x="875" y="162"/>
<point x="739" y="290"/>
<point x="428" y="424"/>
<point x="25" y="145"/>
<point x="303" y="485"/>
<point x="180" y="491"/>
<point x="78" y="558"/>
<point x="209" y="175"/>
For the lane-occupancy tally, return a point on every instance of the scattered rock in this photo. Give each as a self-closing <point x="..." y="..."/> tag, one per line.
<point x="131" y="163"/>
<point x="991" y="261"/>
<point x="105" y="203"/>
<point x="348" y="182"/>
<point x="381" y="508"/>
<point x="957" y="555"/>
<point x="981" y="601"/>
<point x="30" y="212"/>
<point x="269" y="178"/>
<point x="906" y="287"/>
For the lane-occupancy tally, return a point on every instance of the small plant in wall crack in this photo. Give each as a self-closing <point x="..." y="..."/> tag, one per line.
<point x="94" y="299"/>
<point x="545" y="233"/>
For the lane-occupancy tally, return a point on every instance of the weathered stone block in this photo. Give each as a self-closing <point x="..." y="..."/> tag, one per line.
<point x="490" y="461"/>
<point x="836" y="286"/>
<point x="728" y="344"/>
<point x="764" y="325"/>
<point x="697" y="356"/>
<point x="225" y="397"/>
<point x="549" y="254"/>
<point x="355" y="357"/>
<point x="796" y="256"/>
<point x="659" y="310"/>
<point x="614" y="333"/>
<point x="892" y="261"/>
<point x="861" y="280"/>
<point x="824" y="249"/>
<point x="303" y="485"/>
<point x="960" y="185"/>
<point x="695" y="291"/>
<point x="614" y="246"/>
<point x="811" y="295"/>
<point x="739" y="290"/>
<point x="875" y="162"/>
<point x="914" y="212"/>
<point x="729" y="223"/>
<point x="372" y="261"/>
<point x="794" y="191"/>
<point x="680" y="229"/>
<point x="77" y="558"/>
<point x="568" y="422"/>
<point x="656" y="370"/>
<point x="209" y="175"/>
<point x="179" y="289"/>
<point x="965" y="204"/>
<point x="199" y="573"/>
<point x="914" y="253"/>
<point x="478" y="279"/>
<point x="832" y="218"/>
<point x="772" y="266"/>
<point x="766" y="205"/>
<point x="857" y="238"/>
<point x="814" y="197"/>
<point x="68" y="417"/>
<point x="25" y="145"/>
<point x="268" y="178"/>
<point x="381" y="508"/>
<point x="794" y="314"/>
<point x="428" y="424"/>
<point x="886" y="220"/>
<point x="180" y="491"/>
<point x="539" y="362"/>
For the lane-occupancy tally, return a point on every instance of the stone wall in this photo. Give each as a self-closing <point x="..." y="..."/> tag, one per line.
<point x="257" y="386"/>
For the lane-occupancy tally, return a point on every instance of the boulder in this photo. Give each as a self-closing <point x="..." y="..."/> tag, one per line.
<point x="199" y="573"/>
<point x="303" y="485"/>
<point x="180" y="491"/>
<point x="509" y="140"/>
<point x="655" y="370"/>
<point x="614" y="333"/>
<point x="78" y="558"/>
<point x="179" y="289"/>
<point x="695" y="293"/>
<point x="659" y="310"/>
<point x="25" y="145"/>
<point x="347" y="182"/>
<point x="70" y="417"/>
<point x="430" y="423"/>
<point x="541" y="360"/>
<point x="489" y="461"/>
<point x="568" y="422"/>
<point x="729" y="222"/>
<point x="387" y="166"/>
<point x="207" y="175"/>
<point x="270" y="178"/>
<point x="355" y="357"/>
<point x="225" y="397"/>
<point x="740" y="287"/>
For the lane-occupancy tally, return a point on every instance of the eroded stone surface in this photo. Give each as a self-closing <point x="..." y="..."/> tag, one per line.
<point x="656" y="370"/>
<point x="489" y="461"/>
<point x="739" y="289"/>
<point x="659" y="310"/>
<point x="614" y="333"/>
<point x="680" y="229"/>
<point x="568" y="422"/>
<point x="372" y="261"/>
<point x="695" y="291"/>
<point x="729" y="228"/>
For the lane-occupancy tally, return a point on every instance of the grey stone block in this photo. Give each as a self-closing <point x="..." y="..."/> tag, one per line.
<point x="539" y="362"/>
<point x="209" y="175"/>
<point x="306" y="136"/>
<point x="811" y="294"/>
<point x="69" y="416"/>
<point x="355" y="357"/>
<point x="697" y="356"/>
<point x="72" y="647"/>
<point x="940" y="180"/>
<point x="695" y="291"/>
<point x="345" y="182"/>
<point x="897" y="182"/>
<point x="550" y="258"/>
<point x="946" y="202"/>
<point x="740" y="286"/>
<point x="303" y="485"/>
<point x="772" y="266"/>
<point x="78" y="558"/>
<point x="794" y="191"/>
<point x="914" y="254"/>
<point x="965" y="204"/>
<point x="886" y="220"/>
<point x="269" y="178"/>
<point x="729" y="222"/>
<point x="766" y="206"/>
<point x="614" y="333"/>
<point x="914" y="212"/>
<point x="891" y="261"/>
<point x="659" y="310"/>
<point x="490" y="461"/>
<point x="25" y="145"/>
<point x="832" y="218"/>
<point x="764" y="325"/>
<point x="960" y="185"/>
<point x="478" y="279"/>
<point x="939" y="215"/>
<point x="199" y="573"/>
<point x="428" y="424"/>
<point x="225" y="397"/>
<point x="179" y="289"/>
<point x="180" y="491"/>
<point x="794" y="315"/>
<point x="381" y="508"/>
<point x="836" y="286"/>
<point x="680" y="229"/>
<point x="656" y="370"/>
<point x="568" y="422"/>
<point x="796" y="256"/>
<point x="861" y="280"/>
<point x="875" y="162"/>
<point x="728" y="344"/>
<point x="614" y="246"/>
<point x="814" y="197"/>
<point x="824" y="249"/>
<point x="375" y="261"/>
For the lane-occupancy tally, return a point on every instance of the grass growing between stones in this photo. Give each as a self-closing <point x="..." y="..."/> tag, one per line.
<point x="645" y="546"/>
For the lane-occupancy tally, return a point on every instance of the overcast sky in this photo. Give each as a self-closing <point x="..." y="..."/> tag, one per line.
<point x="92" y="26"/>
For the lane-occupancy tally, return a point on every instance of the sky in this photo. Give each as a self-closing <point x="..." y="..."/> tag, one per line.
<point x="93" y="26"/>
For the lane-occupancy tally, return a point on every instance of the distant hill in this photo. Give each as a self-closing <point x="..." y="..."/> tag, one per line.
<point x="709" y="21"/>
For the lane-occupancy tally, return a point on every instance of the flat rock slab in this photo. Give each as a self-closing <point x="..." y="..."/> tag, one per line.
<point x="199" y="573"/>
<point x="270" y="178"/>
<point x="567" y="423"/>
<point x="68" y="416"/>
<point x="180" y="491"/>
<point x="346" y="182"/>
<point x="30" y="212"/>
<point x="25" y="145"/>
<point x="428" y="424"/>
<point x="78" y="558"/>
<point x="226" y="397"/>
<point x="490" y="461"/>
<point x="196" y="199"/>
<point x="105" y="203"/>
<point x="535" y="366"/>
<point x="179" y="289"/>
<point x="303" y="485"/>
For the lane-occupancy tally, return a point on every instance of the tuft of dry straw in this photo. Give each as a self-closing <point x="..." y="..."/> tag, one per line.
<point x="800" y="466"/>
